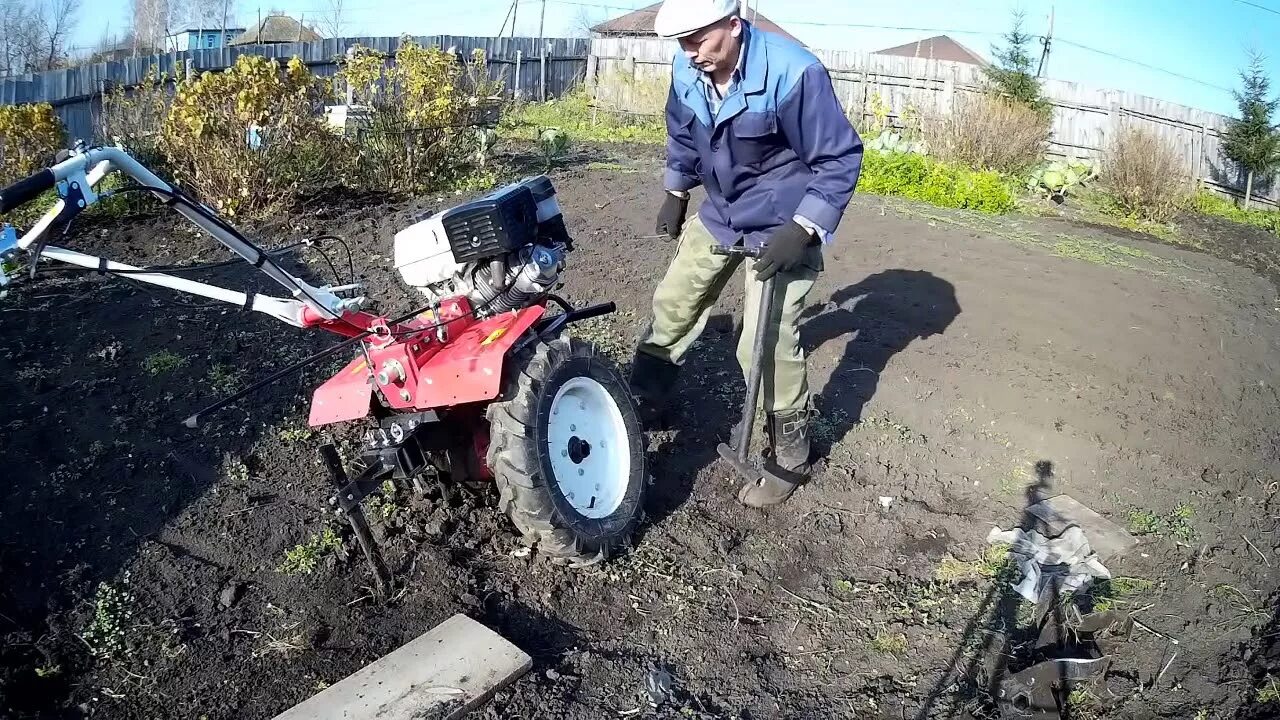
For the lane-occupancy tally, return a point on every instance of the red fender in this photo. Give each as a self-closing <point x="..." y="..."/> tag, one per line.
<point x="425" y="374"/>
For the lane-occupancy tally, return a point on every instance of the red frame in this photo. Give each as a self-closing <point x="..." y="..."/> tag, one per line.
<point x="433" y="362"/>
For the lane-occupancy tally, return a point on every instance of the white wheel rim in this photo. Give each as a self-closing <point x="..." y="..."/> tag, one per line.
<point x="589" y="448"/>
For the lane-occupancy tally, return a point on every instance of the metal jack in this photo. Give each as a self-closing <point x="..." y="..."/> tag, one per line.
<point x="737" y="457"/>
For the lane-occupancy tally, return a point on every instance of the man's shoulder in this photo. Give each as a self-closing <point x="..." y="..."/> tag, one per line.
<point x="788" y="60"/>
<point x="785" y="52"/>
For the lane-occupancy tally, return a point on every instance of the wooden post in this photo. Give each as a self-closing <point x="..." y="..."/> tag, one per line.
<point x="593" y="64"/>
<point x="1113" y="117"/>
<point x="519" y="62"/>
<point x="189" y="69"/>
<point x="1204" y="150"/>
<point x="628" y="93"/>
<point x="542" y="70"/>
<point x="351" y="93"/>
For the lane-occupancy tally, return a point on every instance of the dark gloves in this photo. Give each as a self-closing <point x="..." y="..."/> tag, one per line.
<point x="671" y="216"/>
<point x="784" y="250"/>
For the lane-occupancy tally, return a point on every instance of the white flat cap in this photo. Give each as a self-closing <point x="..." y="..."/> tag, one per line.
<point x="678" y="18"/>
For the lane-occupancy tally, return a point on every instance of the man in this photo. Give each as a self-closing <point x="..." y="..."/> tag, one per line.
<point x="753" y="118"/>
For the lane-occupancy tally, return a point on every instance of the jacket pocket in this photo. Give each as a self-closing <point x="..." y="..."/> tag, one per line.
<point x="754" y="137"/>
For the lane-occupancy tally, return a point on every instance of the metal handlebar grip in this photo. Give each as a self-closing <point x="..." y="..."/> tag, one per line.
<point x="737" y="250"/>
<point x="26" y="190"/>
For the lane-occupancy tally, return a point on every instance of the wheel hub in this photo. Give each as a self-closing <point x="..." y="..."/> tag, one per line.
<point x="579" y="450"/>
<point x="589" y="447"/>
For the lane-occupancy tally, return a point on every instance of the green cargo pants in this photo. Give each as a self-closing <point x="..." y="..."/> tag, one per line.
<point x="684" y="299"/>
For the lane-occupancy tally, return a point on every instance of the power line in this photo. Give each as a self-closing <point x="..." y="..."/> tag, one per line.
<point x="1263" y="8"/>
<point x="1142" y="64"/>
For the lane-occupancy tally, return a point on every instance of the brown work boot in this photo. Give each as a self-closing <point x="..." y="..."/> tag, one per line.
<point x="786" y="464"/>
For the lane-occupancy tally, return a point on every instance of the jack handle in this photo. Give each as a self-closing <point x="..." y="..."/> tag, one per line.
<point x="736" y="251"/>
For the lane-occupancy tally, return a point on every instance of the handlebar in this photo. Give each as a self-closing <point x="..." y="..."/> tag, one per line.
<point x="736" y="250"/>
<point x="25" y="190"/>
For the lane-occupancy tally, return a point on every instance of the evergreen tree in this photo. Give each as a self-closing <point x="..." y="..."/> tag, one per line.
<point x="1253" y="141"/>
<point x="1013" y="75"/>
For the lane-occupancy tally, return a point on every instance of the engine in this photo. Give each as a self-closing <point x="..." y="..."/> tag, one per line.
<point x="501" y="251"/>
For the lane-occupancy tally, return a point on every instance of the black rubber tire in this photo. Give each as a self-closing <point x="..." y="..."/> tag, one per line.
<point x="519" y="454"/>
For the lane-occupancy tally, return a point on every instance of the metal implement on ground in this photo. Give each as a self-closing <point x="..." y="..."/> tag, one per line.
<point x="479" y="384"/>
<point x="738" y="457"/>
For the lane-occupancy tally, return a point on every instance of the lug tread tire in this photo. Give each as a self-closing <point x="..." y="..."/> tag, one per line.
<point x="523" y="474"/>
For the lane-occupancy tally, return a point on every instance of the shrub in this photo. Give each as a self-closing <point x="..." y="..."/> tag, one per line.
<point x="1144" y="174"/>
<point x="991" y="133"/>
<point x="421" y="131"/>
<point x="1208" y="203"/>
<point x="923" y="178"/>
<point x="135" y="118"/>
<point x="30" y="136"/>
<point x="248" y="138"/>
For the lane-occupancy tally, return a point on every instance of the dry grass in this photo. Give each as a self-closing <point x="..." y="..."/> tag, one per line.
<point x="991" y="133"/>
<point x="644" y="94"/>
<point x="1145" y="174"/>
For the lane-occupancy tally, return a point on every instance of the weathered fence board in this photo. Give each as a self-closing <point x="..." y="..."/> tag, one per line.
<point x="1083" y="117"/>
<point x="75" y="93"/>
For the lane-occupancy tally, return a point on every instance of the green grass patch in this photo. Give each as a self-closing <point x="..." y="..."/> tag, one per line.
<point x="990" y="564"/>
<point x="1118" y="591"/>
<point x="1269" y="692"/>
<point x="573" y="114"/>
<point x="163" y="362"/>
<point x="1099" y="252"/>
<point x="923" y="178"/>
<point x="304" y="558"/>
<point x="1214" y="205"/>
<point x="889" y="643"/>
<point x="112" y="607"/>
<point x="224" y="379"/>
<point x="1176" y="524"/>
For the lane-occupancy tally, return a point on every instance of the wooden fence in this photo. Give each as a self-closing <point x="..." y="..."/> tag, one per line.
<point x="620" y="69"/>
<point x="526" y="69"/>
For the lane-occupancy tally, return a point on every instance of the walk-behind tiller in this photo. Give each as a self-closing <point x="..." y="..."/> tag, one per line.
<point x="481" y="383"/>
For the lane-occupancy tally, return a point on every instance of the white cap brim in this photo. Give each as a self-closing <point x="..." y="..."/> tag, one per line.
<point x="682" y="18"/>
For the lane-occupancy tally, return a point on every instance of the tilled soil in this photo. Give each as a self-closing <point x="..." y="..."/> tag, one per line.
<point x="964" y="364"/>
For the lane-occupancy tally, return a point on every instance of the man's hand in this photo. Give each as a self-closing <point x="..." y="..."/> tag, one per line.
<point x="671" y="216"/>
<point x="784" y="250"/>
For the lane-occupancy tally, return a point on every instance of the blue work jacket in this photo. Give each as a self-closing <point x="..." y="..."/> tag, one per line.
<point x="779" y="148"/>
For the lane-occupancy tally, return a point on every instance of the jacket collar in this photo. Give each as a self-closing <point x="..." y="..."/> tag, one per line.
<point x="753" y="66"/>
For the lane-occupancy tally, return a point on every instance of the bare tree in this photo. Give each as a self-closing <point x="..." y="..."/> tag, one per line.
<point x="203" y="14"/>
<point x="582" y="22"/>
<point x="58" y="19"/>
<point x="150" y="19"/>
<point x="17" y="29"/>
<point x="333" y="18"/>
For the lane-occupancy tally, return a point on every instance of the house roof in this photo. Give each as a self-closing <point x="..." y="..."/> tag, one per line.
<point x="185" y="30"/>
<point x="939" y="47"/>
<point x="640" y="22"/>
<point x="276" y="29"/>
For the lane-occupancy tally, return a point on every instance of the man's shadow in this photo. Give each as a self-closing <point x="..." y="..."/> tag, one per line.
<point x="880" y="317"/>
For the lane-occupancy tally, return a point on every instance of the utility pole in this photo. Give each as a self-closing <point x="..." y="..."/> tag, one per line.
<point x="515" y="13"/>
<point x="1048" y="42"/>
<point x="542" y="49"/>
<point x="507" y="19"/>
<point x="223" y="42"/>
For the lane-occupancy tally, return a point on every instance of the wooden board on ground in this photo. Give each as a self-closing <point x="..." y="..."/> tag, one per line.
<point x="1057" y="514"/>
<point x="443" y="674"/>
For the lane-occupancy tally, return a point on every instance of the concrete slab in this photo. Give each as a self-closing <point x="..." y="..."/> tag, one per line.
<point x="443" y="674"/>
<point x="1056" y="515"/>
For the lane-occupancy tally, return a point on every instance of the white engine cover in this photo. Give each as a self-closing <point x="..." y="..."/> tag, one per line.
<point x="422" y="254"/>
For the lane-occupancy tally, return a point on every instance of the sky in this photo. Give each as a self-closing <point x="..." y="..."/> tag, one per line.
<point x="1185" y="51"/>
